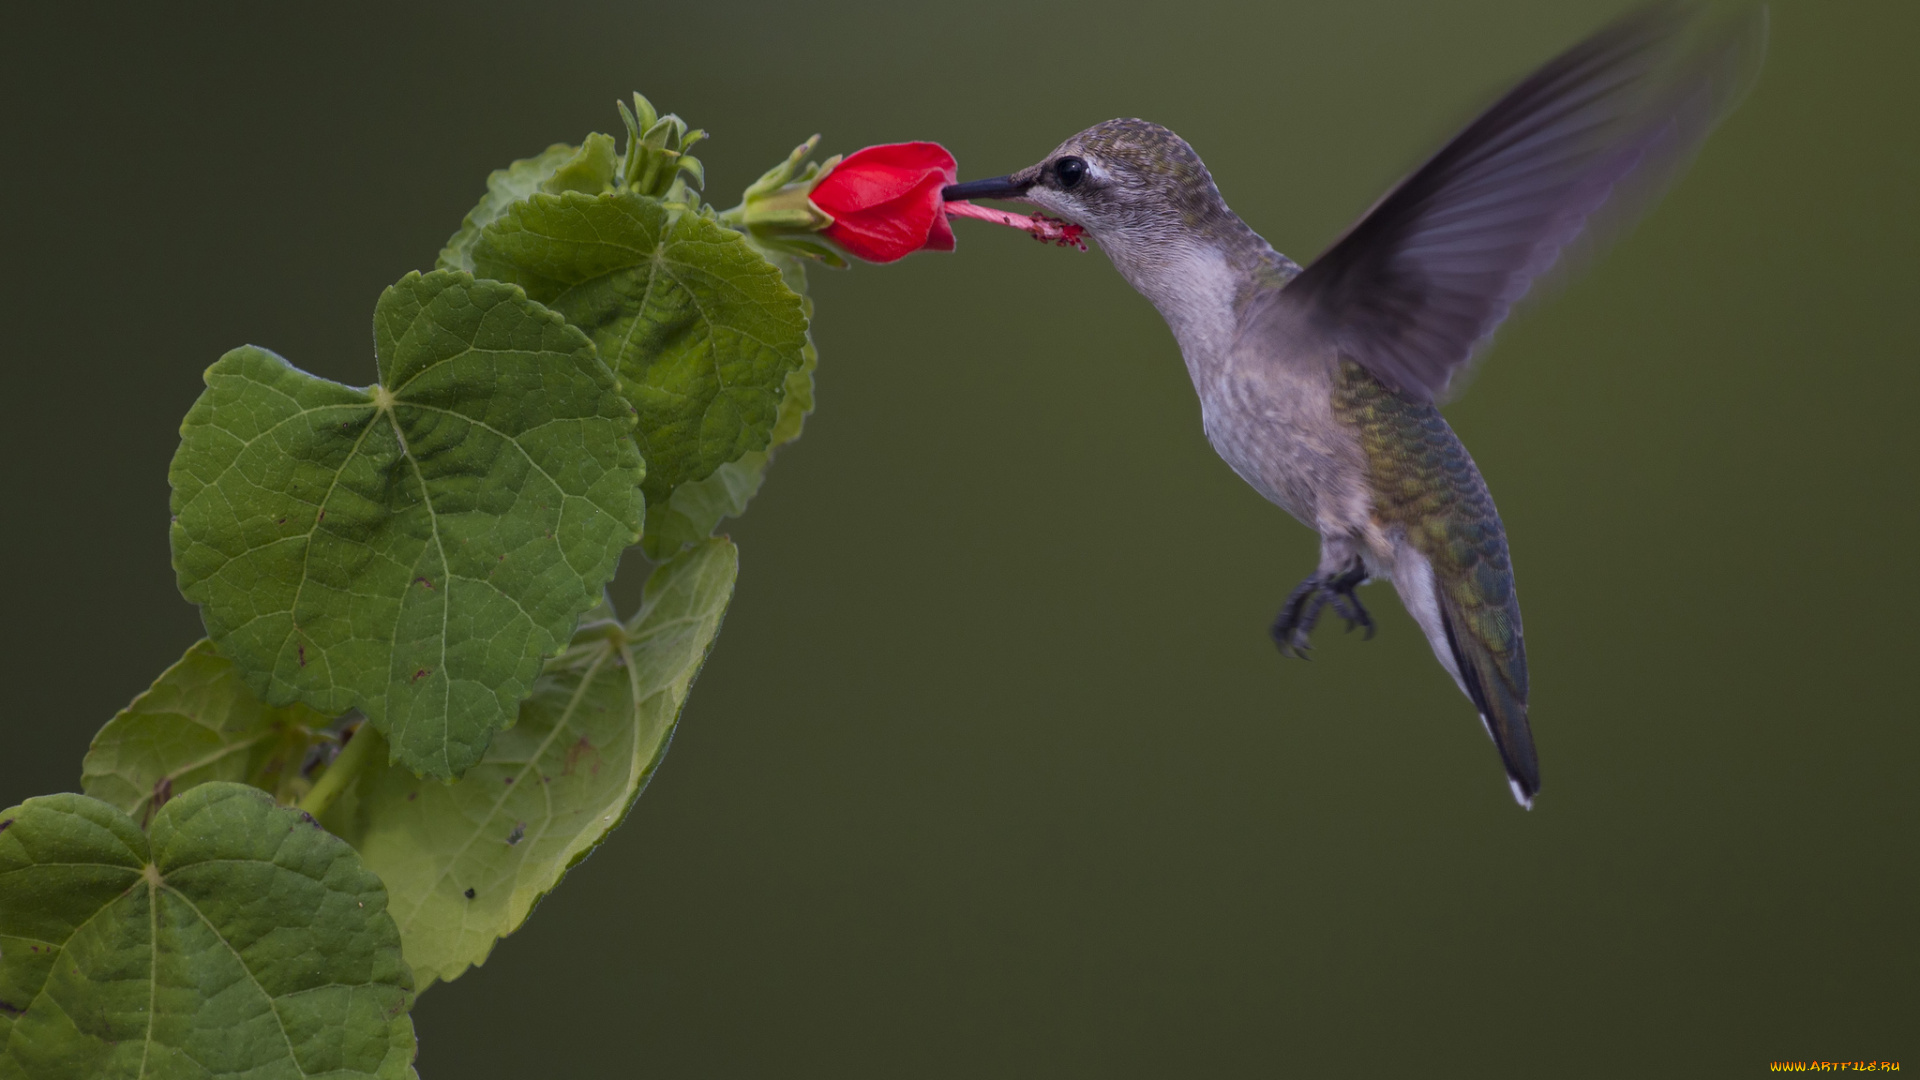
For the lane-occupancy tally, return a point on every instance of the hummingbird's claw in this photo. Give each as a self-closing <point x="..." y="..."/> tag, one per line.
<point x="1294" y="625"/>
<point x="1293" y="628"/>
<point x="1347" y="605"/>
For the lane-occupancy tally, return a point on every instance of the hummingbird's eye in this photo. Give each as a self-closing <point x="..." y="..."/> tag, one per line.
<point x="1069" y="171"/>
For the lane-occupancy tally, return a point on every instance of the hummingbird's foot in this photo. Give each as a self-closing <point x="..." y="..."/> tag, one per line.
<point x="1294" y="626"/>
<point x="1340" y="593"/>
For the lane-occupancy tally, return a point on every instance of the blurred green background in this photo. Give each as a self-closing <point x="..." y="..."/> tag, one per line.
<point x="994" y="770"/>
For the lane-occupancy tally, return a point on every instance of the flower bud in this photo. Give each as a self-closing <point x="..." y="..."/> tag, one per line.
<point x="879" y="204"/>
<point x="885" y="200"/>
<point x="657" y="160"/>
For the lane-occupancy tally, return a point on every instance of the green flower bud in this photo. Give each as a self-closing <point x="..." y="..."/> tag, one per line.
<point x="656" y="162"/>
<point x="777" y="204"/>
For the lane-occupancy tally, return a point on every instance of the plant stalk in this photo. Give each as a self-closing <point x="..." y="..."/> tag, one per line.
<point x="340" y="774"/>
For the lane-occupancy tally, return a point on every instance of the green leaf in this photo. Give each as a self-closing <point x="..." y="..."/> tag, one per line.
<point x="698" y="506"/>
<point x="239" y="938"/>
<point x="466" y="863"/>
<point x="416" y="548"/>
<point x="798" y="400"/>
<point x="700" y="328"/>
<point x="590" y="171"/>
<point x="198" y="722"/>
<point x="590" y="167"/>
<point x="504" y="188"/>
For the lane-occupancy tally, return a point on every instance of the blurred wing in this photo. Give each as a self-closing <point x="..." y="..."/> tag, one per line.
<point x="1418" y="283"/>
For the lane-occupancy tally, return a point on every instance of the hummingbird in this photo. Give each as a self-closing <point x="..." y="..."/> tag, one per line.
<point x="1320" y="386"/>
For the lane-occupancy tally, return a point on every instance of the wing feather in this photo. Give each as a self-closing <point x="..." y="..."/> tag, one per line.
<point x="1415" y="286"/>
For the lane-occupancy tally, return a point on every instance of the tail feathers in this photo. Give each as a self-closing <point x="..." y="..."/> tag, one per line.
<point x="1491" y="659"/>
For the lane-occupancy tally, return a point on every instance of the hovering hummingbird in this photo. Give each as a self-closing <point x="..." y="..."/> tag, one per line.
<point x="1318" y="386"/>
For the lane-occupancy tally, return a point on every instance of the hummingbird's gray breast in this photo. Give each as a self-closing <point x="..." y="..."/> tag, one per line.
<point x="1264" y="375"/>
<point x="1267" y="406"/>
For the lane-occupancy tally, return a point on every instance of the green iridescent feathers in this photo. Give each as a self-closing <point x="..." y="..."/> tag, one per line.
<point x="1424" y="482"/>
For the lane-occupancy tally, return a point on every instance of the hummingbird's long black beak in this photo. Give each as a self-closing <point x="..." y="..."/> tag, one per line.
<point x="999" y="187"/>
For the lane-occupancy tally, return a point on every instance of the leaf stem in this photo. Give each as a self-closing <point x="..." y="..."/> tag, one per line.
<point x="339" y="774"/>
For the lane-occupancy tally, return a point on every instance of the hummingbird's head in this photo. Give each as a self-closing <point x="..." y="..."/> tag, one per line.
<point x="1138" y="188"/>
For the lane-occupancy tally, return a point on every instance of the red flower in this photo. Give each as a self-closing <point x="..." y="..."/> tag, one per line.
<point x="885" y="201"/>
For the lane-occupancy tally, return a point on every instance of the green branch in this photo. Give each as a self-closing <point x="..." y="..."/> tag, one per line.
<point x="339" y="774"/>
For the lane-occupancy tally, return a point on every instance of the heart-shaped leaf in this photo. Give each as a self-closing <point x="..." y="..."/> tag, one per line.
<point x="419" y="547"/>
<point x="238" y="938"/>
<point x="466" y="863"/>
<point x="699" y="326"/>
<point x="198" y="722"/>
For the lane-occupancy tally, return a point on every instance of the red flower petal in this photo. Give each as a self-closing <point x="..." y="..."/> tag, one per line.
<point x="941" y="238"/>
<point x="880" y="174"/>
<point x="884" y="233"/>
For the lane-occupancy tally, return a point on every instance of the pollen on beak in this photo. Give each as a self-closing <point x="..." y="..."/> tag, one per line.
<point x="999" y="187"/>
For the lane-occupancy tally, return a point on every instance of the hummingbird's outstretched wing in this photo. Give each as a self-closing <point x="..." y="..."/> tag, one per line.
<point x="1418" y="283"/>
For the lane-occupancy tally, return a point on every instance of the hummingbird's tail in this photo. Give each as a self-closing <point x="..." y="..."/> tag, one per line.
<point x="1490" y="664"/>
<point x="1450" y="562"/>
<point x="1472" y="620"/>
